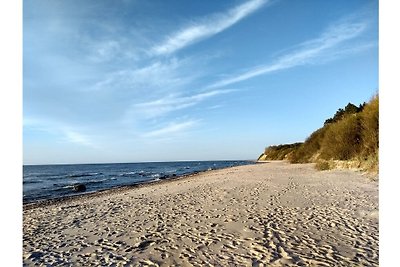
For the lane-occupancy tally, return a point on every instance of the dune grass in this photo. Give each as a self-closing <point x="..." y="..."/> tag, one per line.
<point x="350" y="138"/>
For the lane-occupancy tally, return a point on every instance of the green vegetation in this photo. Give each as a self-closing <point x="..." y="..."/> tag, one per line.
<point x="279" y="152"/>
<point x="350" y="138"/>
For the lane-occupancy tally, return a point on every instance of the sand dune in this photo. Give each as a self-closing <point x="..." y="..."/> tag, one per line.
<point x="270" y="214"/>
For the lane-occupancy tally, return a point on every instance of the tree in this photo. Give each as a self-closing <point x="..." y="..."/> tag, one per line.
<point x="350" y="109"/>
<point x="341" y="113"/>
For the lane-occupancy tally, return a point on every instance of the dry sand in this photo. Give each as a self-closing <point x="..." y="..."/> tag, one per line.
<point x="270" y="214"/>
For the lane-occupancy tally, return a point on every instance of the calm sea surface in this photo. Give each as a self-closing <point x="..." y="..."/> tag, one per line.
<point x="43" y="182"/>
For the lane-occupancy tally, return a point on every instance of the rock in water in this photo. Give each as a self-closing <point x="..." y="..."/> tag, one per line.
<point x="79" y="188"/>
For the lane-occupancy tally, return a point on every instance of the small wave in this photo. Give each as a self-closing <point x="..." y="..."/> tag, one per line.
<point x="91" y="182"/>
<point x="127" y="173"/>
<point x="83" y="175"/>
<point x="98" y="181"/>
<point x="63" y="188"/>
<point x="144" y="173"/>
<point x="167" y="176"/>
<point x="44" y="175"/>
<point x="32" y="182"/>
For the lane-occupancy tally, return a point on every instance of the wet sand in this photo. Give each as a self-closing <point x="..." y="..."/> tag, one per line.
<point x="268" y="214"/>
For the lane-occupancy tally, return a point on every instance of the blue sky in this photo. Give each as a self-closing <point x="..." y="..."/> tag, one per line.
<point x="128" y="81"/>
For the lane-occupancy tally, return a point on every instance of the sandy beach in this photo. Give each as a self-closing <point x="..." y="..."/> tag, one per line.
<point x="267" y="214"/>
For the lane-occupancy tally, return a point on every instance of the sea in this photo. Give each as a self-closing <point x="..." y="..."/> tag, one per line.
<point x="47" y="182"/>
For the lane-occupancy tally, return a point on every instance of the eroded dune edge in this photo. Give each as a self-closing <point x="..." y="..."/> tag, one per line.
<point x="270" y="214"/>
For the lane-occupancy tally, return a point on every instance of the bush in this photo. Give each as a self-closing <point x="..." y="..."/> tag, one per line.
<point x="322" y="165"/>
<point x="352" y="134"/>
<point x="342" y="140"/>
<point x="370" y="127"/>
<point x="310" y="147"/>
<point x="280" y="152"/>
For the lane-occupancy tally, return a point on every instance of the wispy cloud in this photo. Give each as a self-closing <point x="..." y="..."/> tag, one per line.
<point x="103" y="51"/>
<point x="209" y="27"/>
<point x="172" y="129"/>
<point x="63" y="132"/>
<point x="72" y="136"/>
<point x="157" y="75"/>
<point x="171" y="103"/>
<point x="306" y="53"/>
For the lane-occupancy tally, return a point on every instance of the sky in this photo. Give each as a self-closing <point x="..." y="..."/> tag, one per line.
<point x="133" y="81"/>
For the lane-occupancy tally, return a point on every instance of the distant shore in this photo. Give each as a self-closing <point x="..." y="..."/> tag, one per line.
<point x="271" y="214"/>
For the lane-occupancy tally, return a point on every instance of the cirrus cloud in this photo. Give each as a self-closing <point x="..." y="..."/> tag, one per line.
<point x="208" y="27"/>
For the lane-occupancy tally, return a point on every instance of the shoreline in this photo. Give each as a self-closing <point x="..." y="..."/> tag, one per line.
<point x="117" y="189"/>
<point x="275" y="214"/>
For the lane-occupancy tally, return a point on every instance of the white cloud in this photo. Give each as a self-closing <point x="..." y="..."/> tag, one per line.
<point x="307" y="53"/>
<point x="171" y="103"/>
<point x="172" y="129"/>
<point x="63" y="132"/>
<point x="72" y="136"/>
<point x="155" y="76"/>
<point x="209" y="27"/>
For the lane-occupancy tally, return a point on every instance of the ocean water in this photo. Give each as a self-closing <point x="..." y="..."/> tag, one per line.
<point x="43" y="182"/>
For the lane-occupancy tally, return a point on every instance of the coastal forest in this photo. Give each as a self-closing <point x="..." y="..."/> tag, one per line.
<point x="350" y="139"/>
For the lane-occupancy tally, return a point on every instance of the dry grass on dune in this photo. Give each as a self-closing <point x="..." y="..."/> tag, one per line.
<point x="350" y="138"/>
